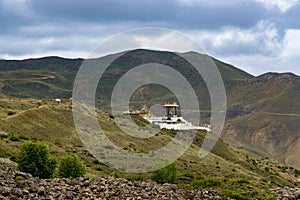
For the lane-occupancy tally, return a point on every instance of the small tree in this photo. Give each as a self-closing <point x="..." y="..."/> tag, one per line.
<point x="167" y="174"/>
<point x="36" y="160"/>
<point x="71" y="167"/>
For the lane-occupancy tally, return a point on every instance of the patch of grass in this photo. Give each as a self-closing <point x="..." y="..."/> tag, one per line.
<point x="206" y="183"/>
<point x="136" y="178"/>
<point x="14" y="138"/>
<point x="167" y="174"/>
<point x="188" y="174"/>
<point x="3" y="153"/>
<point x="58" y="143"/>
<point x="236" y="189"/>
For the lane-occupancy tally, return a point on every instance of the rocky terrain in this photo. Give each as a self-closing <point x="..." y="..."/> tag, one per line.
<point x="286" y="193"/>
<point x="18" y="185"/>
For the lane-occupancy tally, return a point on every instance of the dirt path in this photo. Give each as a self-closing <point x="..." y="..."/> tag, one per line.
<point x="23" y="111"/>
<point x="279" y="114"/>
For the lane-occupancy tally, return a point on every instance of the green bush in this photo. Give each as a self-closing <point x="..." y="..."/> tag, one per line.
<point x="96" y="162"/>
<point x="71" y="167"/>
<point x="36" y="160"/>
<point x="19" y="178"/>
<point x="3" y="136"/>
<point x="167" y="174"/>
<point x="23" y="137"/>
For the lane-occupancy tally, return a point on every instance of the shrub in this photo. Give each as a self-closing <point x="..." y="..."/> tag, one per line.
<point x="297" y="172"/>
<point x="23" y="137"/>
<point x="267" y="169"/>
<point x="36" y="160"/>
<point x="96" y="162"/>
<point x="14" y="138"/>
<point x="58" y="143"/>
<point x="19" y="178"/>
<point x="11" y="113"/>
<point x="3" y="136"/>
<point x="167" y="174"/>
<point x="111" y="116"/>
<point x="98" y="168"/>
<point x="71" y="167"/>
<point x="13" y="158"/>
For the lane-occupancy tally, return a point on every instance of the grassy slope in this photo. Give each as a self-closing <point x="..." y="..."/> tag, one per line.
<point x="51" y="123"/>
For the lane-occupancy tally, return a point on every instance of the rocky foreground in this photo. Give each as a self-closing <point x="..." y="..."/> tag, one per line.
<point x="18" y="185"/>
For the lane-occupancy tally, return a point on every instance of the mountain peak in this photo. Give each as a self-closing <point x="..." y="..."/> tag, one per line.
<point x="272" y="75"/>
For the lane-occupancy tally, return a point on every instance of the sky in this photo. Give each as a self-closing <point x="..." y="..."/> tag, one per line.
<point x="257" y="36"/>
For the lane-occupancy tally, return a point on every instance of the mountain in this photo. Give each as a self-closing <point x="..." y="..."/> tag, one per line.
<point x="262" y="112"/>
<point x="53" y="77"/>
<point x="264" y="116"/>
<point x="42" y="78"/>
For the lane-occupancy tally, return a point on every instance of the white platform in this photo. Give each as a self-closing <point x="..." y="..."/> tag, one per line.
<point x="175" y="123"/>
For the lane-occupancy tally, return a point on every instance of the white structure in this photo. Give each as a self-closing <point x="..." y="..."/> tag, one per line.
<point x="172" y="121"/>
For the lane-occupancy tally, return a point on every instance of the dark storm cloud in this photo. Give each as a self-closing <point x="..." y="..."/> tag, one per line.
<point x="168" y="12"/>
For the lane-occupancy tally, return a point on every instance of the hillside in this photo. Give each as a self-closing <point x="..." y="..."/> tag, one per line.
<point x="53" y="77"/>
<point x="231" y="172"/>
<point x="42" y="78"/>
<point x="262" y="116"/>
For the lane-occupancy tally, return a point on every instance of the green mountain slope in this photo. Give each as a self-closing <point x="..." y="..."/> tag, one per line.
<point x="231" y="172"/>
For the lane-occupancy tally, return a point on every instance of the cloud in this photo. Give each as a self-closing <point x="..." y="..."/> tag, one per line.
<point x="287" y="60"/>
<point x="291" y="44"/>
<point x="239" y="31"/>
<point x="283" y="5"/>
<point x="261" y="39"/>
<point x="169" y="12"/>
